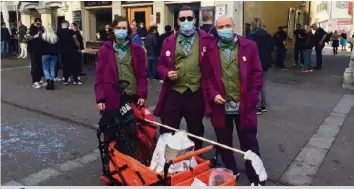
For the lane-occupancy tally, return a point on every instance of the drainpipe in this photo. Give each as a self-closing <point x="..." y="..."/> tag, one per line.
<point x="309" y="17"/>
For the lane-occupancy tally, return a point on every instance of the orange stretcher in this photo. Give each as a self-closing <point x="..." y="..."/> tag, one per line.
<point x="126" y="171"/>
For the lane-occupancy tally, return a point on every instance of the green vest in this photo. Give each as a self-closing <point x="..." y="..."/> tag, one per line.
<point x="125" y="72"/>
<point x="187" y="67"/>
<point x="231" y="75"/>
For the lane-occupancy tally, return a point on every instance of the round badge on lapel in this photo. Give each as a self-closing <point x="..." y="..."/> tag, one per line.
<point x="204" y="49"/>
<point x="168" y="53"/>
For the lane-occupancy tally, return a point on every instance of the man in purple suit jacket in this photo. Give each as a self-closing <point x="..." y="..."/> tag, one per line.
<point x="236" y="82"/>
<point x="183" y="65"/>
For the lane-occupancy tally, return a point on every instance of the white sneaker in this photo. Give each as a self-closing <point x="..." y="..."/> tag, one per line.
<point x="44" y="84"/>
<point x="77" y="83"/>
<point x="57" y="79"/>
<point x="36" y="85"/>
<point x="161" y="81"/>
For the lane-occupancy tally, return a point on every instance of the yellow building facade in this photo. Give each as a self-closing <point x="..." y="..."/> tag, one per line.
<point x="92" y="15"/>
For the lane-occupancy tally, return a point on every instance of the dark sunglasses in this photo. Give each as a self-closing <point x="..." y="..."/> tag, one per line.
<point x="189" y="18"/>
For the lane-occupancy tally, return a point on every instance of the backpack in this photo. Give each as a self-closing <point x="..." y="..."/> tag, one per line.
<point x="328" y="38"/>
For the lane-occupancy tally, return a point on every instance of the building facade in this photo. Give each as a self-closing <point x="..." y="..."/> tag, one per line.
<point x="91" y="16"/>
<point x="334" y="15"/>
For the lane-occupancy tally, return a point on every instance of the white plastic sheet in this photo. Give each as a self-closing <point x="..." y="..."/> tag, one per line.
<point x="198" y="182"/>
<point x="170" y="146"/>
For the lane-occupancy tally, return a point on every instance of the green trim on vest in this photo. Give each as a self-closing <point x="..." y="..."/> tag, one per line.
<point x="231" y="75"/>
<point x="125" y="72"/>
<point x="187" y="67"/>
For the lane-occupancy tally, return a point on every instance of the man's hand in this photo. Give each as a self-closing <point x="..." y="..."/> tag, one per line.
<point x="320" y="43"/>
<point x="172" y="75"/>
<point x="219" y="100"/>
<point x="36" y="36"/>
<point x="141" y="102"/>
<point x="101" y="106"/>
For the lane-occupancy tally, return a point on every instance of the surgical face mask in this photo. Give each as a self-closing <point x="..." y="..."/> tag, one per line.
<point x="121" y="34"/>
<point x="187" y="28"/>
<point x="225" y="34"/>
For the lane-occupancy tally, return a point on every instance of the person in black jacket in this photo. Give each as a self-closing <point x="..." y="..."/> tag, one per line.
<point x="168" y="32"/>
<point x="207" y="18"/>
<point x="265" y="46"/>
<point x="309" y="43"/>
<point x="50" y="52"/>
<point x="68" y="54"/>
<point x="280" y="42"/>
<point x="5" y="38"/>
<point x="79" y="48"/>
<point x="151" y="45"/>
<point x="34" y="48"/>
<point x="299" y="38"/>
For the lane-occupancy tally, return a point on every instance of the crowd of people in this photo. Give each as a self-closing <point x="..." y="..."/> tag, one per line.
<point x="48" y="51"/>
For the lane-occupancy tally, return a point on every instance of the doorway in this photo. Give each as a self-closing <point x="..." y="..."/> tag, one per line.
<point x="140" y="15"/>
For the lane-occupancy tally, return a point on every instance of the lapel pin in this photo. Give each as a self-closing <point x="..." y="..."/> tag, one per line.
<point x="168" y="53"/>
<point x="202" y="53"/>
<point x="244" y="58"/>
<point x="204" y="49"/>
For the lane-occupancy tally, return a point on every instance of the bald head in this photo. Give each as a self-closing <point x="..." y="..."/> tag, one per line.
<point x="224" y="22"/>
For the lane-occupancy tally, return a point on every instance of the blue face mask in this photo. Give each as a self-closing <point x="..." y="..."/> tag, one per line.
<point x="121" y="34"/>
<point x="226" y="34"/>
<point x="187" y="28"/>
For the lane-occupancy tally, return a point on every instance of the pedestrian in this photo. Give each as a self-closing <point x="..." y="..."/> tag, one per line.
<point x="265" y="46"/>
<point x="35" y="51"/>
<point x="207" y="18"/>
<point x="135" y="37"/>
<point x="343" y="41"/>
<point x="335" y="42"/>
<point x="5" y="39"/>
<point x="309" y="43"/>
<point x="79" y="47"/>
<point x="50" y="52"/>
<point x="151" y="44"/>
<point x="183" y="66"/>
<point x="120" y="57"/>
<point x="14" y="40"/>
<point x="103" y="32"/>
<point x="22" y="30"/>
<point x="69" y="54"/>
<point x="320" y="36"/>
<point x="330" y="36"/>
<point x="168" y="32"/>
<point x="280" y="43"/>
<point x="142" y="32"/>
<point x="236" y="84"/>
<point x="299" y="40"/>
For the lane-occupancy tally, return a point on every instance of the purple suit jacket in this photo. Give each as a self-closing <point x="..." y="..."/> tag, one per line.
<point x="166" y="63"/>
<point x="107" y="73"/>
<point x="251" y="83"/>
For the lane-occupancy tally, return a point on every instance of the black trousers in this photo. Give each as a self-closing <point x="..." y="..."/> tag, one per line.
<point x="36" y="66"/>
<point x="297" y="52"/>
<point x="71" y="64"/>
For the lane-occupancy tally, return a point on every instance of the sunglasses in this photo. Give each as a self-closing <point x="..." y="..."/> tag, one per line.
<point x="189" y="18"/>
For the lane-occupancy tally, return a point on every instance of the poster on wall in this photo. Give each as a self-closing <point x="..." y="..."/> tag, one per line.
<point x="77" y="18"/>
<point x="220" y="10"/>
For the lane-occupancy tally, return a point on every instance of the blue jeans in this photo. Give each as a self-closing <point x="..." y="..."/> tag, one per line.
<point x="49" y="63"/>
<point x="4" y="47"/>
<point x="307" y="58"/>
<point x="152" y="67"/>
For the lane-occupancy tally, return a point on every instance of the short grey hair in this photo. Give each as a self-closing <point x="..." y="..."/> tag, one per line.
<point x="224" y="16"/>
<point x="257" y="22"/>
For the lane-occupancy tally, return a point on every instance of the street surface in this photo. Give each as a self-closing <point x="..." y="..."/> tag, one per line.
<point x="49" y="137"/>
